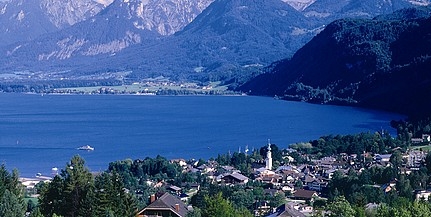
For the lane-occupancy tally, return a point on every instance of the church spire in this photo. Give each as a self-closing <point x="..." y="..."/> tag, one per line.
<point x="268" y="160"/>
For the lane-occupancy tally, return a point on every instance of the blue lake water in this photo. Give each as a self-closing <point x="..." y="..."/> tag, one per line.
<point x="41" y="132"/>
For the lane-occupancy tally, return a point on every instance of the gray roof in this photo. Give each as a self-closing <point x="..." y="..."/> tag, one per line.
<point x="168" y="201"/>
<point x="285" y="210"/>
<point x="175" y="188"/>
<point x="301" y="193"/>
<point x="238" y="176"/>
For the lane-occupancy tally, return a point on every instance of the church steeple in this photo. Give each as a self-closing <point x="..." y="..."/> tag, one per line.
<point x="268" y="160"/>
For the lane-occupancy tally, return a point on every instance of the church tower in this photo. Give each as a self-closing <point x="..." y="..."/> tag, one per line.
<point x="268" y="159"/>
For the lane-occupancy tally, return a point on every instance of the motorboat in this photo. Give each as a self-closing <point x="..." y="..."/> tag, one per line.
<point x="86" y="148"/>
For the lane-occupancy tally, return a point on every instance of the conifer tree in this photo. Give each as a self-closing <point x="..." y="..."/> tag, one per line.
<point x="70" y="193"/>
<point x="11" y="194"/>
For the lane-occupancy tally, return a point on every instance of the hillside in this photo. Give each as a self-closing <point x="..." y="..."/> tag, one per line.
<point x="381" y="63"/>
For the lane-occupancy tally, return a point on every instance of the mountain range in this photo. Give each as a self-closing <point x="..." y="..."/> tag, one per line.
<point x="381" y="63"/>
<point x="23" y="20"/>
<point x="228" y="40"/>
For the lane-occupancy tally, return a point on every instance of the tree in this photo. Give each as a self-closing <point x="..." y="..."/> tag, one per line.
<point x="404" y="188"/>
<point x="277" y="199"/>
<point x="30" y="206"/>
<point x="340" y="207"/>
<point x="51" y="198"/>
<point x="111" y="196"/>
<point x="78" y="182"/>
<point x="11" y="206"/>
<point x="70" y="193"/>
<point x="397" y="160"/>
<point x="242" y="198"/>
<point x="36" y="213"/>
<point x="11" y="194"/>
<point x="196" y="212"/>
<point x="428" y="163"/>
<point x="218" y="206"/>
<point x="420" y="209"/>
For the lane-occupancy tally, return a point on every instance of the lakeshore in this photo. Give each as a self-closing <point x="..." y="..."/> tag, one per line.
<point x="45" y="131"/>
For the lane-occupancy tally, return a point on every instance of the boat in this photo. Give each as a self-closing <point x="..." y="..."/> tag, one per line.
<point x="86" y="148"/>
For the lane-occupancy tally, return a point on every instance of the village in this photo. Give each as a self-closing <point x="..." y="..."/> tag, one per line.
<point x="298" y="186"/>
<point x="302" y="183"/>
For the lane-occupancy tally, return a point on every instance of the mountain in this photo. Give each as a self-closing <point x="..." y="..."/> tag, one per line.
<point x="380" y="63"/>
<point x="24" y="20"/>
<point x="122" y="24"/>
<point x="167" y="16"/>
<point x="228" y="40"/>
<point x="123" y="39"/>
<point x="232" y="40"/>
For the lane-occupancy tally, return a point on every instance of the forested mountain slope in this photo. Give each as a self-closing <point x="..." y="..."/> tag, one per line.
<point x="382" y="63"/>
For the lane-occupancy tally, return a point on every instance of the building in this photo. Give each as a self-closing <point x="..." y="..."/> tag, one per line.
<point x="286" y="211"/>
<point x="268" y="160"/>
<point x="382" y="158"/>
<point x="174" y="189"/>
<point x="302" y="194"/>
<point x="166" y="205"/>
<point x="235" y="178"/>
<point x="422" y="195"/>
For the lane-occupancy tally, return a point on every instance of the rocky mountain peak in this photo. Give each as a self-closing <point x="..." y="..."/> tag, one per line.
<point x="299" y="5"/>
<point x="24" y="20"/>
<point x="162" y="16"/>
<point x="64" y="13"/>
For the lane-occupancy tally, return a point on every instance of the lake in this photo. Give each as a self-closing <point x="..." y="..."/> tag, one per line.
<point x="41" y="132"/>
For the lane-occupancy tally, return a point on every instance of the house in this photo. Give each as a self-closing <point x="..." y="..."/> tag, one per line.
<point x="159" y="184"/>
<point x="166" y="205"/>
<point x="329" y="173"/>
<point x="261" y="207"/>
<point x="382" y="157"/>
<point x="235" y="178"/>
<point x="426" y="138"/>
<point x="302" y="194"/>
<point x="391" y="186"/>
<point x="414" y="158"/>
<point x="228" y="168"/>
<point x="191" y="186"/>
<point x="206" y="168"/>
<point x="174" y="189"/>
<point x="285" y="210"/>
<point x="425" y="195"/>
<point x="316" y="185"/>
<point x="416" y="140"/>
<point x="180" y="162"/>
<point x="290" y="179"/>
<point x="305" y="209"/>
<point x="288" y="188"/>
<point x="270" y="191"/>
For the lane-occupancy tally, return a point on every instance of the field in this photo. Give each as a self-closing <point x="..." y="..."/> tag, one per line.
<point x="148" y="87"/>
